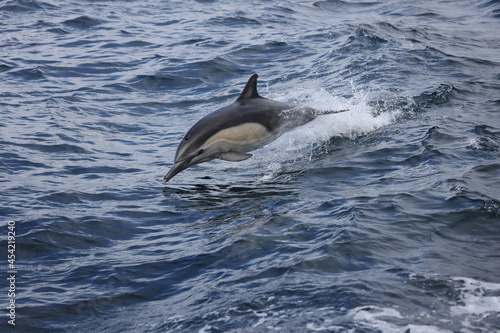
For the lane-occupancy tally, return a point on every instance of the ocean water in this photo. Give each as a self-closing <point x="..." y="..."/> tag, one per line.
<point x="385" y="218"/>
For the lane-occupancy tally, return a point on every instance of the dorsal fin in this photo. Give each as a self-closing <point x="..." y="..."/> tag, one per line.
<point x="250" y="90"/>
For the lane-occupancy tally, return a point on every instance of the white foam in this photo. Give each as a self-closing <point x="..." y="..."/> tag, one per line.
<point x="262" y="318"/>
<point x="474" y="304"/>
<point x="481" y="143"/>
<point x="476" y="307"/>
<point x="359" y="120"/>
<point x="381" y="319"/>
<point x="477" y="301"/>
<point x="303" y="142"/>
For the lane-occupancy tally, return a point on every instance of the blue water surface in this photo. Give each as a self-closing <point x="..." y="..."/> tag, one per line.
<point x="385" y="218"/>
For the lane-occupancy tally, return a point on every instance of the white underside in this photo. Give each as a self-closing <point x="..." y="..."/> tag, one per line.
<point x="242" y="138"/>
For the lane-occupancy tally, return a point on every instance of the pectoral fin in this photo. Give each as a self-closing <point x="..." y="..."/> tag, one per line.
<point x="233" y="156"/>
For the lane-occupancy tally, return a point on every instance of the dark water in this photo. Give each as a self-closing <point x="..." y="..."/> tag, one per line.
<point x="382" y="219"/>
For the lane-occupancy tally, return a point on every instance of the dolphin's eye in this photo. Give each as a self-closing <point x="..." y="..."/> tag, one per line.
<point x="186" y="138"/>
<point x="200" y="151"/>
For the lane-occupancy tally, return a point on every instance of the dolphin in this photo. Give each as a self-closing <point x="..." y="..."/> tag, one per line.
<point x="229" y="133"/>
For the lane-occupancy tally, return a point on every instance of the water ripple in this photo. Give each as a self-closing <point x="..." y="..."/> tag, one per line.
<point x="325" y="229"/>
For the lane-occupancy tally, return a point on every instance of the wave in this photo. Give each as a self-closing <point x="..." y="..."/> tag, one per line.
<point x="83" y="22"/>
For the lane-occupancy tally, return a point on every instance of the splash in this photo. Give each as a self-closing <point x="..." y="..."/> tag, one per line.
<point x="478" y="300"/>
<point x="306" y="141"/>
<point x="362" y="118"/>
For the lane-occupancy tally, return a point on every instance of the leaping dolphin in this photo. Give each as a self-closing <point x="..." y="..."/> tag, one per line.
<point x="231" y="132"/>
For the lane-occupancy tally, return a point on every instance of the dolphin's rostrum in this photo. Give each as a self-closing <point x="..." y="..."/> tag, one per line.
<point x="229" y="133"/>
